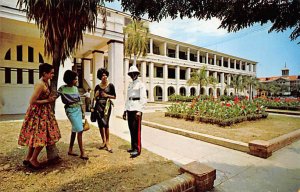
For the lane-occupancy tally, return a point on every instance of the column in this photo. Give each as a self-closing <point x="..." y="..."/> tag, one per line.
<point x="222" y="61"/>
<point x="215" y="74"/>
<point x="188" y="73"/>
<point x="222" y="84"/>
<point x="115" y="68"/>
<point x="177" y="52"/>
<point x="199" y="88"/>
<point x="250" y="67"/>
<point x="151" y="77"/>
<point x="228" y="83"/>
<point x="165" y="48"/>
<point x="188" y="76"/>
<point x="143" y="71"/>
<point x="98" y="62"/>
<point x="126" y="77"/>
<point x="87" y="71"/>
<point x="215" y="59"/>
<point x="177" y="77"/>
<point x="206" y="58"/>
<point x="228" y="63"/>
<point x="151" y="46"/>
<point x="165" y="87"/>
<point x="188" y="54"/>
<point x="207" y="87"/>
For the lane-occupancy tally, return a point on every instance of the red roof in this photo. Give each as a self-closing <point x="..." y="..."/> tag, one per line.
<point x="291" y="78"/>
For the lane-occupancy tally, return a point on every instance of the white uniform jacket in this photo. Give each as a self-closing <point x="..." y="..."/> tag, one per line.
<point x="136" y="96"/>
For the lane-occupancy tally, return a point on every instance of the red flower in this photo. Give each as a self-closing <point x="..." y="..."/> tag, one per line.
<point x="228" y="105"/>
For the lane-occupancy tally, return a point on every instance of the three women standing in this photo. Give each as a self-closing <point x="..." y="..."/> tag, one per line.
<point x="103" y="93"/>
<point x="40" y="127"/>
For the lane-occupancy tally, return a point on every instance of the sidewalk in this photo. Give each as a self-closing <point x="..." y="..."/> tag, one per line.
<point x="236" y="171"/>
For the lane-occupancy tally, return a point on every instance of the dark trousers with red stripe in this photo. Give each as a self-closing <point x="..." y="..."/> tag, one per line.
<point x="134" y="124"/>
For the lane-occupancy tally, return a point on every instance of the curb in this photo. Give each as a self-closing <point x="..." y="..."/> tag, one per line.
<point x="297" y="113"/>
<point x="236" y="145"/>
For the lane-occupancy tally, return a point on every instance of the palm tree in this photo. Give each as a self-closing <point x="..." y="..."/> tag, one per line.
<point x="250" y="84"/>
<point x="237" y="83"/>
<point x="136" y="39"/>
<point x="200" y="78"/>
<point x="62" y="24"/>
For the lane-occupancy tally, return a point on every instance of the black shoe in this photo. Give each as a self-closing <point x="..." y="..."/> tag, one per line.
<point x="130" y="150"/>
<point x="134" y="154"/>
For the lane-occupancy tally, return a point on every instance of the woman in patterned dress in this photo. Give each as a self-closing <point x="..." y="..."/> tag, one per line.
<point x="40" y="127"/>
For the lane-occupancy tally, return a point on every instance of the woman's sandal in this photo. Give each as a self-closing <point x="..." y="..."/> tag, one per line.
<point x="84" y="157"/>
<point x="30" y="165"/>
<point x="109" y="150"/>
<point x="26" y="162"/>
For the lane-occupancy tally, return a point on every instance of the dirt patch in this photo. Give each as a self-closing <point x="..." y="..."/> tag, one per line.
<point x="264" y="129"/>
<point x="103" y="172"/>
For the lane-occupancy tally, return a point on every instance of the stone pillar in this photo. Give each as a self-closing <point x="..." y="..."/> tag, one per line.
<point x="98" y="62"/>
<point x="151" y="84"/>
<point x="177" y="52"/>
<point x="207" y="87"/>
<point x="188" y="73"/>
<point x="215" y="74"/>
<point x="116" y="73"/>
<point x="165" y="87"/>
<point x="228" y="63"/>
<point x="215" y="59"/>
<point x="222" y="61"/>
<point x="151" y="46"/>
<point x="234" y="64"/>
<point x="206" y="58"/>
<point x="228" y="83"/>
<point x="198" y="55"/>
<point x="87" y="71"/>
<point x="126" y="77"/>
<point x="222" y="84"/>
<point x="143" y="71"/>
<point x="177" y="77"/>
<point x="188" y="54"/>
<point x="165" y="48"/>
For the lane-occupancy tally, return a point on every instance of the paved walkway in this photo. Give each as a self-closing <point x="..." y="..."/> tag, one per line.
<point x="236" y="171"/>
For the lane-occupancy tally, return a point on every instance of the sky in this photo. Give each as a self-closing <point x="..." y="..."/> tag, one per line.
<point x="271" y="50"/>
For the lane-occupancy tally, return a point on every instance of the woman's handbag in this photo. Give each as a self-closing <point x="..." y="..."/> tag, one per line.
<point x="86" y="125"/>
<point x="93" y="116"/>
<point x="93" y="113"/>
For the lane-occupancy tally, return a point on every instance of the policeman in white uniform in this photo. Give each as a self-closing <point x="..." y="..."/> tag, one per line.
<point x="135" y="102"/>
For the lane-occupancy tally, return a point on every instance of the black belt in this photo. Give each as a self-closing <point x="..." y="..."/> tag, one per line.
<point x="134" y="98"/>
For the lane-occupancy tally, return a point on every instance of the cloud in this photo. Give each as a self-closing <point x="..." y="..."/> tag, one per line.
<point x="191" y="28"/>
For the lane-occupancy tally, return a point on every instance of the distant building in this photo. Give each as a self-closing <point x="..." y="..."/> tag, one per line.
<point x="290" y="84"/>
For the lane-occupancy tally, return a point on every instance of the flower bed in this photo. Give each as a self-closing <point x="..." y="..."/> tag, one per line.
<point x="223" y="113"/>
<point x="281" y="103"/>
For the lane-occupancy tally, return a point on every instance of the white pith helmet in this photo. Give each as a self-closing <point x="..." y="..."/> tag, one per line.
<point x="133" y="69"/>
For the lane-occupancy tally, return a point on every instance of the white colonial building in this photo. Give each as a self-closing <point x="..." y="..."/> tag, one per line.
<point x="165" y="70"/>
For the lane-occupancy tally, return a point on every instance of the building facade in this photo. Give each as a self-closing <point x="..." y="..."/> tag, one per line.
<point x="289" y="85"/>
<point x="165" y="70"/>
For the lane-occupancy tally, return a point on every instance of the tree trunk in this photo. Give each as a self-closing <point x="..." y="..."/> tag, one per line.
<point x="134" y="59"/>
<point x="56" y="64"/>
